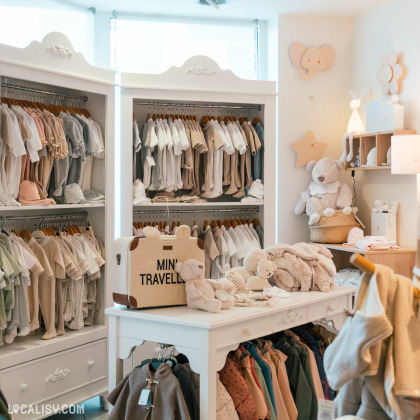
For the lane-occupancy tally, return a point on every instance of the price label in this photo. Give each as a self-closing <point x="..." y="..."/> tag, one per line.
<point x="145" y="397"/>
<point x="325" y="409"/>
<point x="150" y="161"/>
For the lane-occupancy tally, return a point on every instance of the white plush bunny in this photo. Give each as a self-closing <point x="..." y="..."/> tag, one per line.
<point x="355" y="125"/>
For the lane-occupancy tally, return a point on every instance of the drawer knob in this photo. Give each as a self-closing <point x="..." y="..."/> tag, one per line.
<point x="91" y="363"/>
<point x="24" y="387"/>
<point x="246" y="331"/>
<point x="330" y="308"/>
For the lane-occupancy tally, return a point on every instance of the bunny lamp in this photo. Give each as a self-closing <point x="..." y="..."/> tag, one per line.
<point x="355" y="126"/>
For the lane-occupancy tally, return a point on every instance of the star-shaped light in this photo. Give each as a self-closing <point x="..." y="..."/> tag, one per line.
<point x="308" y="149"/>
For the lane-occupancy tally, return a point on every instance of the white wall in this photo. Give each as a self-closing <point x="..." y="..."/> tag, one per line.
<point x="326" y="115"/>
<point x="392" y="27"/>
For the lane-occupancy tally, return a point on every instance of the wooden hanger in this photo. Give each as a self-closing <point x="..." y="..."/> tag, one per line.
<point x="227" y="224"/>
<point x="205" y="224"/>
<point x="213" y="224"/>
<point x="255" y="222"/>
<point x="255" y="121"/>
<point x="15" y="232"/>
<point x="25" y="234"/>
<point x="234" y="223"/>
<point x="178" y="223"/>
<point x="204" y="120"/>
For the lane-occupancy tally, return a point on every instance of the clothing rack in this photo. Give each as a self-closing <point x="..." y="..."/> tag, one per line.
<point x="189" y="105"/>
<point x="178" y="210"/>
<point x="43" y="92"/>
<point x="48" y="219"/>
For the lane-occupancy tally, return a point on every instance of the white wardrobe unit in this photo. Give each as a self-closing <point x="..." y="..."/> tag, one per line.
<point x="70" y="368"/>
<point x="198" y="87"/>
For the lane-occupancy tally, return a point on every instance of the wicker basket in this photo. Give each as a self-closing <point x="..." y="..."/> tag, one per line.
<point x="333" y="230"/>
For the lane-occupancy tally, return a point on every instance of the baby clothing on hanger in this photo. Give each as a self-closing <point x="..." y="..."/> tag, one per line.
<point x="47" y="152"/>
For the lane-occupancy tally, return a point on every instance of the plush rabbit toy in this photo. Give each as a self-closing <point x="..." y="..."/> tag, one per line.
<point x="355" y="126"/>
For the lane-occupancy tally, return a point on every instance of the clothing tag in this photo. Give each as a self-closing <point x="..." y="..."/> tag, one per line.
<point x="150" y="161"/>
<point x="325" y="409"/>
<point x="144" y="397"/>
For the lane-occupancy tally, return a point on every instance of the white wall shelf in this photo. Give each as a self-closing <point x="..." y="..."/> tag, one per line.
<point x="152" y="206"/>
<point x="53" y="207"/>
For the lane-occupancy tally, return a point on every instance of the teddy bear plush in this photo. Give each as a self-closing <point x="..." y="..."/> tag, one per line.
<point x="251" y="261"/>
<point x="208" y="295"/>
<point x="265" y="270"/>
<point x="325" y="193"/>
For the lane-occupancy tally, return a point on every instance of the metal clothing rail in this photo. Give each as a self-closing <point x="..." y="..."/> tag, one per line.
<point x="180" y="210"/>
<point x="43" y="92"/>
<point x="190" y="105"/>
<point x="80" y="216"/>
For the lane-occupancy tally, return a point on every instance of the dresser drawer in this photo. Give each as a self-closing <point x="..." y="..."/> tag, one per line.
<point x="290" y="318"/>
<point x="44" y="379"/>
<point x="325" y="309"/>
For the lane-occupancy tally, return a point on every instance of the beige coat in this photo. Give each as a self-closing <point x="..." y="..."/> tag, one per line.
<point x="376" y="356"/>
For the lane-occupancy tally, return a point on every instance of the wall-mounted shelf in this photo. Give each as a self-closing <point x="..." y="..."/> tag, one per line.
<point x="370" y="168"/>
<point x="366" y="142"/>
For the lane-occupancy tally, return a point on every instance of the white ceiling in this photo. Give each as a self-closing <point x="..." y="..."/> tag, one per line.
<point x="244" y="9"/>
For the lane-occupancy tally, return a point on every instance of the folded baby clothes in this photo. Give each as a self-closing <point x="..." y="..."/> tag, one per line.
<point x="139" y="193"/>
<point x="93" y="196"/>
<point x="73" y="194"/>
<point x="255" y="193"/>
<point x="376" y="242"/>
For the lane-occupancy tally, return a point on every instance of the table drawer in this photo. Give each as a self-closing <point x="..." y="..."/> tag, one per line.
<point x="325" y="309"/>
<point x="254" y="328"/>
<point x="44" y="379"/>
<point x="289" y="318"/>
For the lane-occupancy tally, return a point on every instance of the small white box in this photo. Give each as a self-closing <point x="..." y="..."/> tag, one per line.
<point x="384" y="224"/>
<point x="381" y="118"/>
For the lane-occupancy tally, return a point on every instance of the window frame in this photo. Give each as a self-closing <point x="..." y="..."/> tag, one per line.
<point x="260" y="33"/>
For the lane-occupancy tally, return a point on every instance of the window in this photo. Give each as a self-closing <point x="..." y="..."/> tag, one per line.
<point x="21" y="23"/>
<point x="153" y="45"/>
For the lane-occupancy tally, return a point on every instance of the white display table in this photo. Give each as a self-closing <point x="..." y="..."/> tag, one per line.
<point x="207" y="338"/>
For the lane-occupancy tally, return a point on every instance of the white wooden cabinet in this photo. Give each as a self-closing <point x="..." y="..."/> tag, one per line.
<point x="71" y="368"/>
<point x="207" y="338"/>
<point x="199" y="81"/>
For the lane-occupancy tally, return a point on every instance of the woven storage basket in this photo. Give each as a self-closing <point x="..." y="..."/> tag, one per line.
<point x="333" y="230"/>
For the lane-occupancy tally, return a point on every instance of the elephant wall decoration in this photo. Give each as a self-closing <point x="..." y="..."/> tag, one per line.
<point x="311" y="60"/>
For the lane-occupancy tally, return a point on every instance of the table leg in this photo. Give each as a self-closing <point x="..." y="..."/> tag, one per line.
<point x="115" y="364"/>
<point x="207" y="379"/>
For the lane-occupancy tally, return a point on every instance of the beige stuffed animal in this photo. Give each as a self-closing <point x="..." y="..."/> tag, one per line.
<point x="205" y="294"/>
<point x="325" y="193"/>
<point x="265" y="270"/>
<point x="251" y="261"/>
<point x="235" y="278"/>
